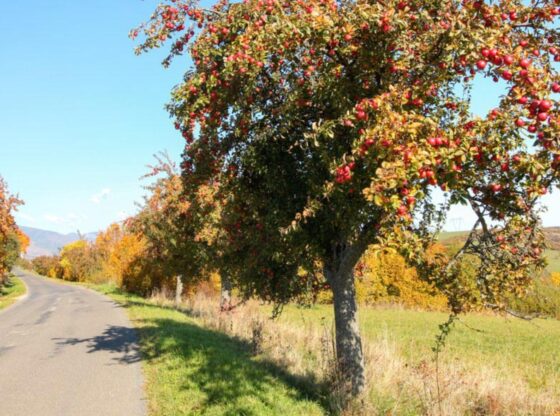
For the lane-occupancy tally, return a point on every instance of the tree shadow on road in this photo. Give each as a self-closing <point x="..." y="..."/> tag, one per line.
<point x="115" y="339"/>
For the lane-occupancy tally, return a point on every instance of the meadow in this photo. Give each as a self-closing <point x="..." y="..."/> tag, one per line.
<point x="201" y="362"/>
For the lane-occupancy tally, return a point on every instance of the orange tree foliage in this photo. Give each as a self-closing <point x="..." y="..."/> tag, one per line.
<point x="23" y="240"/>
<point x="328" y="125"/>
<point x="178" y="228"/>
<point x="117" y="249"/>
<point x="47" y="266"/>
<point x="12" y="240"/>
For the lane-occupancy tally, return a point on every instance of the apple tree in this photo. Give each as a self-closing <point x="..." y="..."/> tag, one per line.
<point x="329" y="126"/>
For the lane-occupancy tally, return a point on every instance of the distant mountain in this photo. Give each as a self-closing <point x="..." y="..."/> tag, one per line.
<point x="48" y="243"/>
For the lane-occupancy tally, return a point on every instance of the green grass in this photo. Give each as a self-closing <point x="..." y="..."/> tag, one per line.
<point x="191" y="370"/>
<point x="11" y="291"/>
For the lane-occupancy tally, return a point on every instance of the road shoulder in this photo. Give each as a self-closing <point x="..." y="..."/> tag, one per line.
<point x="13" y="292"/>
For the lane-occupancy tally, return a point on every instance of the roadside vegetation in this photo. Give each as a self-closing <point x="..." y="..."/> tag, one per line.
<point x="12" y="289"/>
<point x="195" y="369"/>
<point x="13" y="243"/>
<point x="318" y="132"/>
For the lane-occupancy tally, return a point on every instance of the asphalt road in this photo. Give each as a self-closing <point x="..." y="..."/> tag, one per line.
<point x="67" y="350"/>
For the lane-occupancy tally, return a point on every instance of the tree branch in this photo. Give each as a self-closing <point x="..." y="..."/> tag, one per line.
<point x="511" y="312"/>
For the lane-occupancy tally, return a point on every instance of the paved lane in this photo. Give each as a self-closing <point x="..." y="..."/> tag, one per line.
<point x="66" y="350"/>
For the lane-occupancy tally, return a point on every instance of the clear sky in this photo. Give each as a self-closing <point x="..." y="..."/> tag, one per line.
<point x="81" y="115"/>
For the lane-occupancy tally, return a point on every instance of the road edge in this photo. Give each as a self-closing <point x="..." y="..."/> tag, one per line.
<point x="18" y="300"/>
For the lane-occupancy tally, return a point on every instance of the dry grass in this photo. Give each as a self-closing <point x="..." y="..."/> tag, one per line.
<point x="397" y="385"/>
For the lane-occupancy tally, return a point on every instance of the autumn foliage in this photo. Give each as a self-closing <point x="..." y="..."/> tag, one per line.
<point x="13" y="241"/>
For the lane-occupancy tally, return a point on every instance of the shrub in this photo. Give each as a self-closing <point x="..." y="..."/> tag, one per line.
<point x="47" y="265"/>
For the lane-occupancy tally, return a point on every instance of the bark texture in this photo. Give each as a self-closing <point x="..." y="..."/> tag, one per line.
<point x="349" y="351"/>
<point x="178" y="291"/>
<point x="225" y="295"/>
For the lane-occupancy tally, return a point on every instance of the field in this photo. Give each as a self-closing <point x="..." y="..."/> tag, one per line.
<point x="527" y="349"/>
<point x="200" y="362"/>
<point x="11" y="292"/>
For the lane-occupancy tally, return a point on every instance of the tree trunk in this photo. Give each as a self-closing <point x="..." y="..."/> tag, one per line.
<point x="178" y="291"/>
<point x="349" y="353"/>
<point x="225" y="295"/>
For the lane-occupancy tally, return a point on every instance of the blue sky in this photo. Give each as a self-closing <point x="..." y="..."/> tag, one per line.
<point x="81" y="115"/>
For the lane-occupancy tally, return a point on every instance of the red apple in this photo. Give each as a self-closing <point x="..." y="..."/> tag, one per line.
<point x="524" y="63"/>
<point x="496" y="187"/>
<point x="545" y="105"/>
<point x="481" y="64"/>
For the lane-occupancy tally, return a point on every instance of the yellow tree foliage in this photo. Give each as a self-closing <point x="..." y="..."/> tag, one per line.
<point x="114" y="251"/>
<point x="77" y="261"/>
<point x="387" y="278"/>
<point x="384" y="277"/>
<point x="129" y="248"/>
